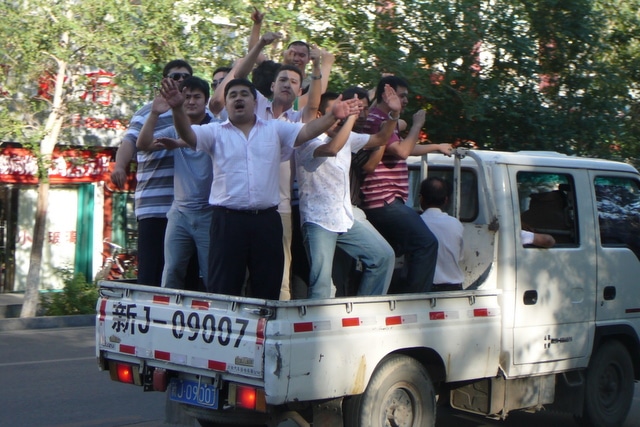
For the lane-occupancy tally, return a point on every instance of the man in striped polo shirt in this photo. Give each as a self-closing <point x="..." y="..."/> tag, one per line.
<point x="385" y="191"/>
<point x="154" y="187"/>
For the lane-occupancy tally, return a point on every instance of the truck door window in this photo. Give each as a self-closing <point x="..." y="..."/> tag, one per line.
<point x="546" y="202"/>
<point x="618" y="201"/>
<point x="468" y="189"/>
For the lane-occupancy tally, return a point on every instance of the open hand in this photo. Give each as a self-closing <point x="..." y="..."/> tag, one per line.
<point x="160" y="105"/>
<point x="171" y="93"/>
<point x="343" y="109"/>
<point x="391" y="98"/>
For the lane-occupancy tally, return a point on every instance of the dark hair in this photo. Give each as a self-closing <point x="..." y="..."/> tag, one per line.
<point x="219" y="70"/>
<point x="287" y="67"/>
<point x="392" y="81"/>
<point x="240" y="82"/>
<point x="324" y="101"/>
<point x="434" y="192"/>
<point x="350" y="92"/>
<point x="300" y="43"/>
<point x="196" y="83"/>
<point x="263" y="75"/>
<point x="176" y="63"/>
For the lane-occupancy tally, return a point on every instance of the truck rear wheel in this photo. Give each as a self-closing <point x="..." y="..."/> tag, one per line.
<point x="399" y="394"/>
<point x="609" y="387"/>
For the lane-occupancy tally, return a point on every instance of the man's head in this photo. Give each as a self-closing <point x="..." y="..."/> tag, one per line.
<point x="196" y="92"/>
<point x="177" y="70"/>
<point x="299" y="54"/>
<point x="218" y="75"/>
<point x="240" y="100"/>
<point x="434" y="193"/>
<point x="399" y="84"/>
<point x="326" y="104"/>
<point x="263" y="76"/>
<point x="363" y="96"/>
<point x="286" y="86"/>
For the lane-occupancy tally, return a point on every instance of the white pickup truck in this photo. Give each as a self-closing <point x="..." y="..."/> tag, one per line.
<point x="533" y="328"/>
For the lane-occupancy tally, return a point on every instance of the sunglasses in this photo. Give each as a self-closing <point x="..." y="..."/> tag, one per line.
<point x="178" y="76"/>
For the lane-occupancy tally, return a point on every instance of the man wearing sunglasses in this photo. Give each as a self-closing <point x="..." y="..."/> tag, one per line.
<point x="154" y="188"/>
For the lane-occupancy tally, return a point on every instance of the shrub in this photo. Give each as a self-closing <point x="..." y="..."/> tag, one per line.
<point x="77" y="297"/>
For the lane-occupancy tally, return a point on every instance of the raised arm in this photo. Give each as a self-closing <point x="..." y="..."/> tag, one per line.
<point x="335" y="144"/>
<point x="340" y="110"/>
<point x="326" y="62"/>
<point x="386" y="130"/>
<point x="241" y="69"/>
<point x="145" y="139"/>
<point x="310" y="110"/>
<point x="404" y="147"/>
<point x="257" y="17"/>
<point x="181" y="121"/>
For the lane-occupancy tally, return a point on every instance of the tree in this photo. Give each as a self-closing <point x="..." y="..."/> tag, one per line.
<point x="46" y="65"/>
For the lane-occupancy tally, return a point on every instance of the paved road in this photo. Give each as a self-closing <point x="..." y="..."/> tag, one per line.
<point x="50" y="378"/>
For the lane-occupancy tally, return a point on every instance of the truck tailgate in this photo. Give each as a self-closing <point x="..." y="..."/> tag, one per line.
<point x="175" y="327"/>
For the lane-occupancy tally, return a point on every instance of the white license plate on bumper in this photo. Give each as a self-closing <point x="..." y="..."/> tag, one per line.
<point x="193" y="393"/>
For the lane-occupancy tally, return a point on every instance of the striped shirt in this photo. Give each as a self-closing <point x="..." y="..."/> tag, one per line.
<point x="154" y="187"/>
<point x="390" y="179"/>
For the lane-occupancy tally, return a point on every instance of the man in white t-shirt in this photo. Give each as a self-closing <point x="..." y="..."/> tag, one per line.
<point x="322" y="170"/>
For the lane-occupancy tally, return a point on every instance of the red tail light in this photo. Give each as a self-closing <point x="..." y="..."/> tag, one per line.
<point x="247" y="397"/>
<point x="125" y="373"/>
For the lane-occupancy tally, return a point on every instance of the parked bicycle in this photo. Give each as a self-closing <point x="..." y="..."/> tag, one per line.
<point x="117" y="263"/>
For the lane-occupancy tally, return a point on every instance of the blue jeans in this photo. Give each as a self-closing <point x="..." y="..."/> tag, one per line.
<point x="359" y="242"/>
<point x="407" y="233"/>
<point x="187" y="234"/>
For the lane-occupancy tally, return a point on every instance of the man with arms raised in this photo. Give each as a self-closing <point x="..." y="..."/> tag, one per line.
<point x="246" y="153"/>
<point x="189" y="218"/>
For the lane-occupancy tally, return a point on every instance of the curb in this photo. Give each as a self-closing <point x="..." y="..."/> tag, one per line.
<point x="47" y="322"/>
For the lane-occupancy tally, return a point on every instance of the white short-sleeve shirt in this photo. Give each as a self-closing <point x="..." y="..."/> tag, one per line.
<point x="323" y="182"/>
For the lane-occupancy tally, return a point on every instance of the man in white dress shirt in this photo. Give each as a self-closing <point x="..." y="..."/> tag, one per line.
<point x="434" y="196"/>
<point x="246" y="231"/>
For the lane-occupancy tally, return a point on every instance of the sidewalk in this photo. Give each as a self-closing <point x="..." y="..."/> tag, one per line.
<point x="11" y="305"/>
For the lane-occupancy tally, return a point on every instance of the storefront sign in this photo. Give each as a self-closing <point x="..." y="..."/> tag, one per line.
<point x="19" y="166"/>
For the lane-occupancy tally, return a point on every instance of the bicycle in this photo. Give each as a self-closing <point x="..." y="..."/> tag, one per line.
<point x="113" y="267"/>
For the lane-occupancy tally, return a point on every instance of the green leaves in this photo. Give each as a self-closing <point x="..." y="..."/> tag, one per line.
<point x="507" y="74"/>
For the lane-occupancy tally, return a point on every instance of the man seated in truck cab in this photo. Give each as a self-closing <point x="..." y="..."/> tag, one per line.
<point x="546" y="203"/>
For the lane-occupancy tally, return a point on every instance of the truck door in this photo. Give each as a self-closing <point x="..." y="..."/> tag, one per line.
<point x="618" y="204"/>
<point x="555" y="287"/>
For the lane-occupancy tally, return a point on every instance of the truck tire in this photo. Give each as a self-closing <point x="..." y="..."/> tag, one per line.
<point x="399" y="394"/>
<point x="609" y="386"/>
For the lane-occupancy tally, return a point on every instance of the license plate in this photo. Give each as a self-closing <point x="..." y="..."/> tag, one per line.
<point x="192" y="392"/>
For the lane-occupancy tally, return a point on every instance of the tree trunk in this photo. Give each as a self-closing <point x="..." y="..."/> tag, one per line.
<point x="31" y="296"/>
<point x="48" y="143"/>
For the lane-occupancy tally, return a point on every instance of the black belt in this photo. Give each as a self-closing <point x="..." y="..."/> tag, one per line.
<point x="246" y="211"/>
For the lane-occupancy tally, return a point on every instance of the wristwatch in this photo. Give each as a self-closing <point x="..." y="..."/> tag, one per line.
<point x="393" y="118"/>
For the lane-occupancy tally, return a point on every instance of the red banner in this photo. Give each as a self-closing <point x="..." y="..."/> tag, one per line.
<point x="19" y="165"/>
